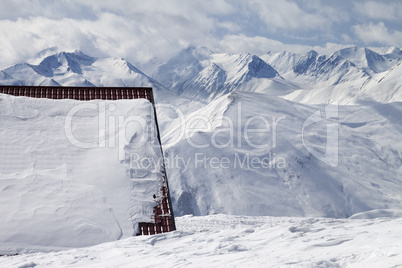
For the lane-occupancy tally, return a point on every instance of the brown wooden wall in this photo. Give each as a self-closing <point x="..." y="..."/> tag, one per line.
<point x="80" y="93"/>
<point x="163" y="216"/>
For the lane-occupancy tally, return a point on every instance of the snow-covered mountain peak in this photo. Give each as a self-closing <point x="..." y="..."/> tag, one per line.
<point x="64" y="62"/>
<point x="369" y="60"/>
<point x="283" y="61"/>
<point x="191" y="55"/>
<point x="123" y="65"/>
<point x="308" y="62"/>
<point x="202" y="73"/>
<point x="199" y="51"/>
<point x="312" y="54"/>
<point x="260" y="69"/>
<point x="389" y="50"/>
<point x="182" y="67"/>
<point x="243" y="66"/>
<point x="357" y="55"/>
<point x="77" y="57"/>
<point x="76" y="69"/>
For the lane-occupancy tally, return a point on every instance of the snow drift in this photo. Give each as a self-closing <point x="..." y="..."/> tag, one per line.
<point x="67" y="178"/>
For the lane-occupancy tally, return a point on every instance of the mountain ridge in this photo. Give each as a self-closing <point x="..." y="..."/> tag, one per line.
<point x="199" y="73"/>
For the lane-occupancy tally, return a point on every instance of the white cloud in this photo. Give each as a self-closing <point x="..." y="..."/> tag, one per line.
<point x="288" y="15"/>
<point x="139" y="30"/>
<point x="13" y="9"/>
<point x="136" y="30"/>
<point x="260" y="45"/>
<point x="137" y="38"/>
<point x="380" y="10"/>
<point x="89" y="9"/>
<point x="378" y="33"/>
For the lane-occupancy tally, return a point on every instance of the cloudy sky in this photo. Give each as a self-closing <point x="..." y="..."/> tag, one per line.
<point x="139" y="30"/>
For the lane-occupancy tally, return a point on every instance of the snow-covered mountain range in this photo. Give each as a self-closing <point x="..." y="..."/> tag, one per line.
<point x="347" y="76"/>
<point x="251" y="135"/>
<point x="197" y="81"/>
<point x="76" y="69"/>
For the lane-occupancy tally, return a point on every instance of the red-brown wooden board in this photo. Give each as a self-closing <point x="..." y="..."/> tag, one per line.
<point x="80" y="93"/>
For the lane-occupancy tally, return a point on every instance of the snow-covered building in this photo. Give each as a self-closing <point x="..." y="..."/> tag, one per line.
<point x="80" y="166"/>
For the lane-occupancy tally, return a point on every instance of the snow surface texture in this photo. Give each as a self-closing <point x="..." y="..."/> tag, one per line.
<point x="66" y="176"/>
<point x="239" y="241"/>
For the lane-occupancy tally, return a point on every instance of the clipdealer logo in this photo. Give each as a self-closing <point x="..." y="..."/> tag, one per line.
<point x="257" y="132"/>
<point x="330" y="156"/>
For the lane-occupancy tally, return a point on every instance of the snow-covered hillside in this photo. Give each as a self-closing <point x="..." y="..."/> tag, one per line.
<point x="251" y="154"/>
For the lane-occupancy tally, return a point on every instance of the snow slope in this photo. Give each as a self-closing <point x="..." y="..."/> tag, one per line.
<point x="384" y="87"/>
<point x="239" y="241"/>
<point x="368" y="59"/>
<point x="67" y="176"/>
<point x="251" y="154"/>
